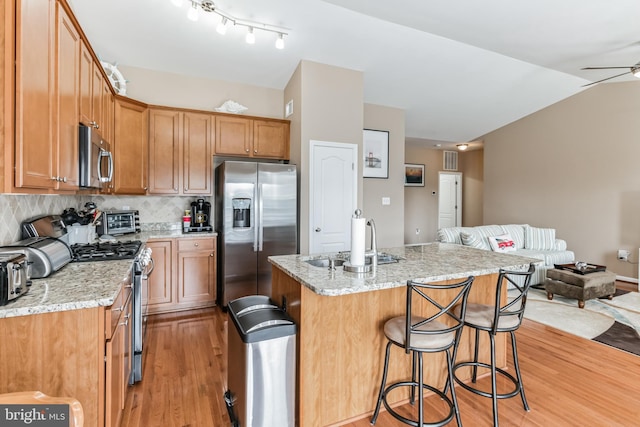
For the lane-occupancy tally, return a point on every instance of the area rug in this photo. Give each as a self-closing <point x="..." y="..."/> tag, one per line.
<point x="613" y="322"/>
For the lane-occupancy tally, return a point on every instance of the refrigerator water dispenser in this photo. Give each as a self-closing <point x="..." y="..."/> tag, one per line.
<point x="241" y="212"/>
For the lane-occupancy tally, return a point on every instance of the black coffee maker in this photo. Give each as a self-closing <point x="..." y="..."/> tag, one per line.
<point x="200" y="216"/>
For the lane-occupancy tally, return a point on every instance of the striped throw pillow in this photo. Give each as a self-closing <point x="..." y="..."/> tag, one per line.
<point x="540" y="239"/>
<point x="472" y="241"/>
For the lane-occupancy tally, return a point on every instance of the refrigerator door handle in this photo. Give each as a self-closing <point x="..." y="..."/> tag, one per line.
<point x="256" y="218"/>
<point x="260" y="228"/>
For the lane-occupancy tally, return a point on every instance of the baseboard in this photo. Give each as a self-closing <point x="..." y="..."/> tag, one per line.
<point x="627" y="279"/>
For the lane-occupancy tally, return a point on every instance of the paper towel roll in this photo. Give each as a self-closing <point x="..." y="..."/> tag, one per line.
<point x="358" y="229"/>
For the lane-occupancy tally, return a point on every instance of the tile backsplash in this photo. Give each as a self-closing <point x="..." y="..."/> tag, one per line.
<point x="155" y="211"/>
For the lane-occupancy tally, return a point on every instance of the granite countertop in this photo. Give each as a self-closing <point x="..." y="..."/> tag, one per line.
<point x="429" y="262"/>
<point x="81" y="285"/>
<point x="75" y="286"/>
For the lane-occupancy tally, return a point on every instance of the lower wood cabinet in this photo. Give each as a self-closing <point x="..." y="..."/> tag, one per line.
<point x="184" y="276"/>
<point x="82" y="353"/>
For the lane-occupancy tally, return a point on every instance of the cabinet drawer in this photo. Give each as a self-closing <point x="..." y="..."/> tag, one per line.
<point x="113" y="313"/>
<point x="208" y="243"/>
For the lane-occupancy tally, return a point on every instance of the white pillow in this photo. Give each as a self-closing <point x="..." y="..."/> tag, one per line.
<point x="540" y="239"/>
<point x="502" y="243"/>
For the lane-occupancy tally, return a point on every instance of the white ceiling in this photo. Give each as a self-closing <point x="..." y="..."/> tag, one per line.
<point x="458" y="68"/>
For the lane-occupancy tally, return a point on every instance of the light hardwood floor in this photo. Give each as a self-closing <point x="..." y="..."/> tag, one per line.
<point x="569" y="381"/>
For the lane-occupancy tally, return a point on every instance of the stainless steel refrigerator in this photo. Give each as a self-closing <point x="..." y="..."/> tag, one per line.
<point x="256" y="217"/>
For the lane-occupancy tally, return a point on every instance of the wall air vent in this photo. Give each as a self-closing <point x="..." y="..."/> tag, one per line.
<point x="450" y="160"/>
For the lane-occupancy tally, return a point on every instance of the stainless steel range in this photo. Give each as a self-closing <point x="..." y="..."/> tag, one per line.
<point x="142" y="268"/>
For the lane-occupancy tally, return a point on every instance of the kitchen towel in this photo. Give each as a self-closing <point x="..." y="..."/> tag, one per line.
<point x="358" y="228"/>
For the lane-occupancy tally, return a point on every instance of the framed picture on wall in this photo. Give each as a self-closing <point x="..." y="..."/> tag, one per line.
<point x="413" y="175"/>
<point x="376" y="153"/>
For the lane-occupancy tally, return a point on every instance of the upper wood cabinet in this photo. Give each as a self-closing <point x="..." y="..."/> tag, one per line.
<point x="130" y="147"/>
<point x="92" y="85"/>
<point x="180" y="152"/>
<point x="47" y="64"/>
<point x="247" y="137"/>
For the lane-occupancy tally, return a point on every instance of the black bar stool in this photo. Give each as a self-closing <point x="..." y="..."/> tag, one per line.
<point x="418" y="334"/>
<point x="495" y="319"/>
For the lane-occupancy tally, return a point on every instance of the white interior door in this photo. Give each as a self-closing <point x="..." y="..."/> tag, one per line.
<point x="450" y="199"/>
<point x="333" y="197"/>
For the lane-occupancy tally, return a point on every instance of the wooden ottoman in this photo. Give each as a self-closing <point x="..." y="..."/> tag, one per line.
<point x="580" y="286"/>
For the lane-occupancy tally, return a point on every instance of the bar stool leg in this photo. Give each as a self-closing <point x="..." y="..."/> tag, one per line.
<point x="494" y="386"/>
<point x="474" y="374"/>
<point x="454" y="399"/>
<point x="516" y="365"/>
<point x="414" y="360"/>
<point x="420" y="391"/>
<point x="382" y="385"/>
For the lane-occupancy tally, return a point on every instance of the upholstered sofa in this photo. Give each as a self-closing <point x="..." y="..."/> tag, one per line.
<point x="517" y="239"/>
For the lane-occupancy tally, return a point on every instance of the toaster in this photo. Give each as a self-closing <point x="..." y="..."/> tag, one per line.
<point x="45" y="255"/>
<point x="14" y="276"/>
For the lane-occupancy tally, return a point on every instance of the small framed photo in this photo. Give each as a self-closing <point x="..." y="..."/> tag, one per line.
<point x="413" y="175"/>
<point x="376" y="154"/>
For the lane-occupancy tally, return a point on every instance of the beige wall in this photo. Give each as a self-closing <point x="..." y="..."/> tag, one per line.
<point x="573" y="166"/>
<point x="471" y="164"/>
<point x="177" y="90"/>
<point x="327" y="107"/>
<point x="389" y="219"/>
<point x="420" y="203"/>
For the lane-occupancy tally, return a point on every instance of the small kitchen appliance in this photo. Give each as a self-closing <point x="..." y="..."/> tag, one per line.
<point x="45" y="226"/>
<point x="14" y="276"/>
<point x="117" y="222"/>
<point x="200" y="217"/>
<point x="45" y="255"/>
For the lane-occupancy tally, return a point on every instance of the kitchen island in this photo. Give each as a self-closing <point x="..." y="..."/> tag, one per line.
<point x="340" y="317"/>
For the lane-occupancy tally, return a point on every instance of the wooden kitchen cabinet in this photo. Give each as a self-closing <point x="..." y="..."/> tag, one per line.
<point x="159" y="292"/>
<point x="47" y="97"/>
<point x="35" y="150"/>
<point x="196" y="270"/>
<point x="91" y="91"/>
<point x="79" y="353"/>
<point x="130" y="147"/>
<point x="184" y="276"/>
<point x="118" y="356"/>
<point x="180" y="152"/>
<point x="247" y="137"/>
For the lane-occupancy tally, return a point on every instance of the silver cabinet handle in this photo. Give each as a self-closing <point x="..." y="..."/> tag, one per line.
<point x="196" y="244"/>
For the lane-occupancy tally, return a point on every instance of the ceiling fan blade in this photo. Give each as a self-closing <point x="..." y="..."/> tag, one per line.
<point x="603" y="68"/>
<point x="604" y="80"/>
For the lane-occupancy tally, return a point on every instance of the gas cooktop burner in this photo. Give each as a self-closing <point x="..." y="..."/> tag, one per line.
<point x="106" y="251"/>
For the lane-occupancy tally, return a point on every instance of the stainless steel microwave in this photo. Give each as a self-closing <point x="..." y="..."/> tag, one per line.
<point x="95" y="158"/>
<point x="115" y="223"/>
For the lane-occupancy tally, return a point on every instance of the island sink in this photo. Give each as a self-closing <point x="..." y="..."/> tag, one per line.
<point x="383" y="258"/>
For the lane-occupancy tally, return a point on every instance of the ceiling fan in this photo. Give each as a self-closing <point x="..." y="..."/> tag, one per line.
<point x="633" y="69"/>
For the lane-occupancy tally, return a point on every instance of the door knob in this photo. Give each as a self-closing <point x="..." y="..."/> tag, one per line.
<point x="318" y="229"/>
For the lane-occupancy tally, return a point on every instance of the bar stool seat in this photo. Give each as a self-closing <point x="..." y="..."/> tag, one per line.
<point x="494" y="319"/>
<point x="418" y="334"/>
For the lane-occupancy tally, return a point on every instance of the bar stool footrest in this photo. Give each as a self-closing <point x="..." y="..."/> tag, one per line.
<point x="479" y="392"/>
<point x="414" y="423"/>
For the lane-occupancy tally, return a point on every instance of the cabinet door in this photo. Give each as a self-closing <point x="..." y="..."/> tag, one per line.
<point x="35" y="154"/>
<point x="160" y="295"/>
<point x="164" y="152"/>
<point x="108" y="106"/>
<point x="86" y="84"/>
<point x="97" y="93"/>
<point x="68" y="59"/>
<point x="233" y="136"/>
<point x="130" y="148"/>
<point x="114" y="376"/>
<point x="196" y="270"/>
<point x="197" y="153"/>
<point x="270" y="139"/>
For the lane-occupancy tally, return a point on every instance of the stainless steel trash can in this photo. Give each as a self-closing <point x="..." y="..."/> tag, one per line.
<point x="261" y="366"/>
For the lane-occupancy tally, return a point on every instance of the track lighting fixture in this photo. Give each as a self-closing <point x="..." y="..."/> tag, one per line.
<point x="227" y="19"/>
<point x="251" y="38"/>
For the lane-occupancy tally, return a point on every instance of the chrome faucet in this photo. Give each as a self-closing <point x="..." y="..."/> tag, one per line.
<point x="373" y="252"/>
